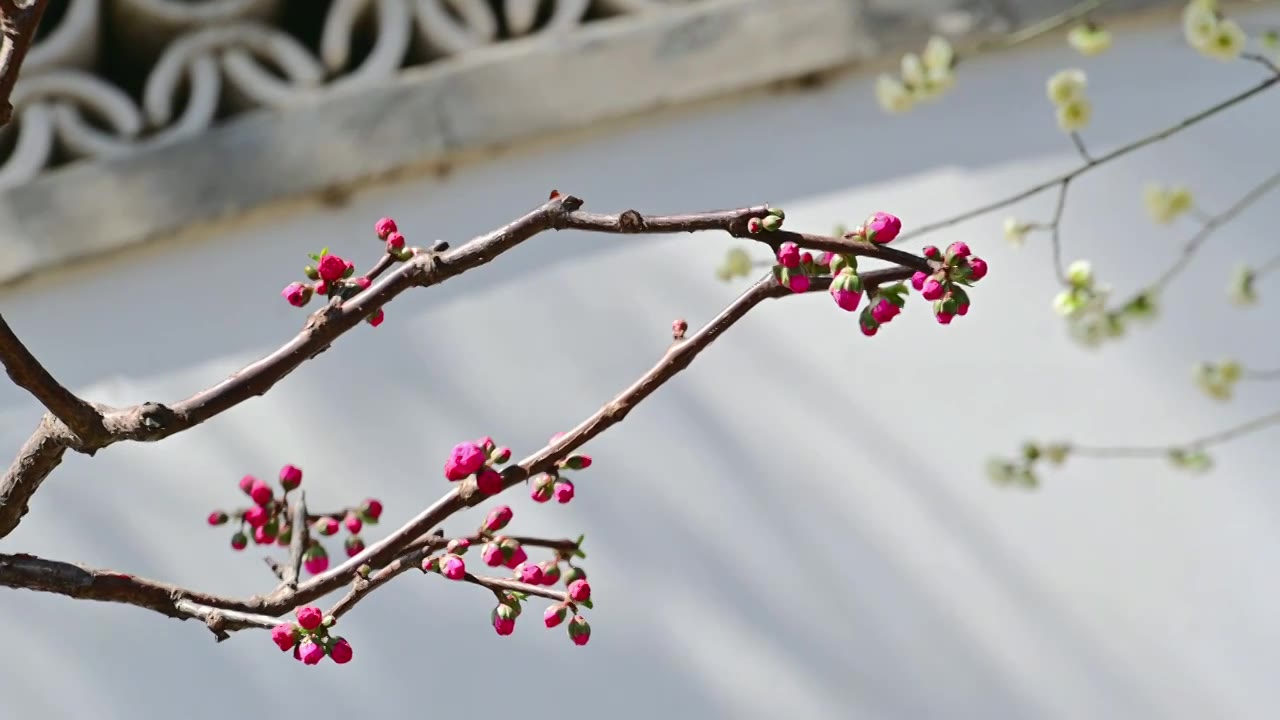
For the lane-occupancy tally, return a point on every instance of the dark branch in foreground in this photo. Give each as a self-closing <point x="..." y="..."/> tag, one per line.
<point x="18" y="23"/>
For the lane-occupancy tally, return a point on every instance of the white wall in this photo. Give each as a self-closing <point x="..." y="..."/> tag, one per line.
<point x="740" y="572"/>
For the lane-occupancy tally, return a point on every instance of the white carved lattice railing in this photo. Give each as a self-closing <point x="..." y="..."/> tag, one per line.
<point x="197" y="62"/>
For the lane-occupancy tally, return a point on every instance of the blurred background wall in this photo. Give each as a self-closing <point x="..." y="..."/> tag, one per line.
<point x="754" y="552"/>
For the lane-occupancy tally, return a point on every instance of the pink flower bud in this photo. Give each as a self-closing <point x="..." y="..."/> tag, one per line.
<point x="541" y="490"/>
<point x="384" y="227"/>
<point x="453" y="567"/>
<point x="917" y="280"/>
<point x="326" y="526"/>
<point x="395" y="241"/>
<point x="579" y="630"/>
<point x="884" y="311"/>
<point x="353" y="545"/>
<point x="579" y="591"/>
<point x="489" y="482"/>
<point x="962" y="309"/>
<point x="504" y="626"/>
<point x="789" y="255"/>
<point x="517" y="556"/>
<point x="309" y="617"/>
<point x="296" y="294"/>
<point x="945" y="318"/>
<point x="825" y="258"/>
<point x="340" y="653"/>
<point x="217" y="517"/>
<point x="260" y="492"/>
<point x="798" y="283"/>
<point x="882" y="227"/>
<point x="353" y="523"/>
<point x="331" y="268"/>
<point x="563" y="491"/>
<point x="550" y="572"/>
<point x="256" y="516"/>
<point x="958" y="250"/>
<point x="932" y="252"/>
<point x="458" y="546"/>
<point x="377" y="317"/>
<point x="316" y="565"/>
<point x="500" y="455"/>
<point x="486" y="443"/>
<point x="373" y="508"/>
<point x="529" y="573"/>
<point x="806" y="258"/>
<point x="283" y="635"/>
<point x="574" y="574"/>
<point x="679" y="327"/>
<point x="310" y="653"/>
<point x="247" y="482"/>
<point x="491" y="555"/>
<point x="754" y="225"/>
<point x="932" y="289"/>
<point x="553" y="616"/>
<point x="239" y="541"/>
<point x="869" y="330"/>
<point x="977" y="268"/>
<point x="362" y="282"/>
<point x="577" y="462"/>
<point x="290" y="477"/>
<point x="466" y="459"/>
<point x="498" y="518"/>
<point x="263" y="535"/>
<point x="846" y="290"/>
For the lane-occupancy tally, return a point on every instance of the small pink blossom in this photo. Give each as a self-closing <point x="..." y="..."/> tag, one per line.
<point x="331" y="268"/>
<point x="353" y="523"/>
<point x="846" y="300"/>
<point x="395" y="241"/>
<point x="327" y="526"/>
<point x="563" y="491"/>
<point x="260" y="492"/>
<point x="256" y="516"/>
<point x="962" y="309"/>
<point x="491" y="555"/>
<point x="806" y="258"/>
<point x="453" y="567"/>
<point x="932" y="289"/>
<point x="917" y="280"/>
<point x="290" y="477"/>
<point x="466" y="459"/>
<point x="239" y="541"/>
<point x="309" y="617"/>
<point x="789" y="255"/>
<point x="377" y="317"/>
<point x="247" y="482"/>
<point x="362" y="282"/>
<point x="341" y="651"/>
<point x="310" y="653"/>
<point x="384" y="227"/>
<point x="373" y="508"/>
<point x="579" y="591"/>
<point x="884" y="311"/>
<point x="977" y="268"/>
<point x="553" y="616"/>
<point x="799" y="283"/>
<point x="504" y="626"/>
<point x="283" y="636"/>
<point x="353" y="546"/>
<point x="489" y="482"/>
<point x="296" y="294"/>
<point x="958" y="249"/>
<point x="869" y="330"/>
<point x="541" y="491"/>
<point x="529" y="573"/>
<point x="262" y="536"/>
<point x="882" y="227"/>
<point x="217" y="517"/>
<point x="932" y="252"/>
<point x="517" y="556"/>
<point x="498" y="518"/>
<point x="550" y="572"/>
<point x="316" y="564"/>
<point x="579" y="630"/>
<point x="945" y="318"/>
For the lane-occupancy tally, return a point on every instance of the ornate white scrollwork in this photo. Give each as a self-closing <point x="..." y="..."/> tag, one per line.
<point x="144" y="28"/>
<point x="634" y="6"/>
<point x="448" y="27"/>
<point x="390" y="45"/>
<point x="231" y="52"/>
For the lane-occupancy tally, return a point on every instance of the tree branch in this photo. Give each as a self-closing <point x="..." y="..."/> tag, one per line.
<point x="18" y="23"/>
<point x="27" y="373"/>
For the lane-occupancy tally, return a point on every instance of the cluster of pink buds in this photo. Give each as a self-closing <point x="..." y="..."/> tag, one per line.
<point x="478" y="459"/>
<point x="267" y="520"/>
<point x="553" y="484"/>
<point x="579" y="629"/>
<point x="794" y="267"/>
<point x="451" y="564"/>
<point x="309" y="638"/>
<point x="957" y="269"/>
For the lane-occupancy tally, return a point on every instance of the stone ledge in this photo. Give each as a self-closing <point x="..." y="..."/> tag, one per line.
<point x="604" y="71"/>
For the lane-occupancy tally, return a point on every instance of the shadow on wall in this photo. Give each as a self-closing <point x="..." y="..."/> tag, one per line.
<point x="796" y="526"/>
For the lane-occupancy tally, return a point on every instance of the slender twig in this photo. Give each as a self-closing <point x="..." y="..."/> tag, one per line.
<point x="1100" y="160"/>
<point x="1211" y="225"/>
<point x="297" y="543"/>
<point x="1081" y="150"/>
<point x="1199" y="443"/>
<point x="494" y="583"/>
<point x="1055" y="231"/>
<point x="18" y="23"/>
<point x="1043" y="27"/>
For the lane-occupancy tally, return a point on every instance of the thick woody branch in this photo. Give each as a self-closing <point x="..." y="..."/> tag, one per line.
<point x="27" y="373"/>
<point x="18" y="22"/>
